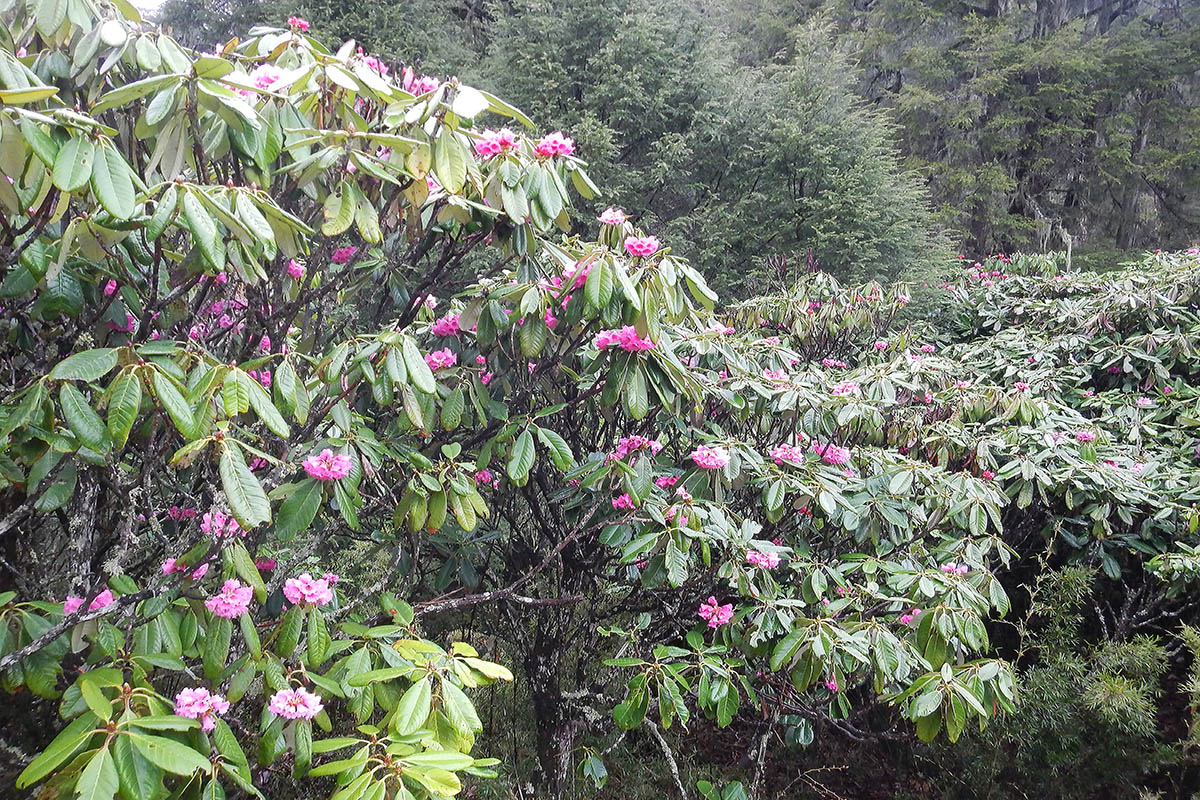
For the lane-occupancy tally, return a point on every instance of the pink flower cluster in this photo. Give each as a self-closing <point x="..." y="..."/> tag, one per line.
<point x="446" y="326"/>
<point x="831" y="454"/>
<point x="612" y="216"/>
<point x="373" y="62"/>
<point x="102" y="600"/>
<point x="263" y="377"/>
<point x="776" y="374"/>
<point x="263" y="76"/>
<point x="626" y="338"/>
<point x="631" y="444"/>
<point x="666" y="481"/>
<point x="844" y="388"/>
<point x="307" y="590"/>
<point x="764" y="560"/>
<point x="787" y="454"/>
<point x="716" y="326"/>
<point x="833" y="362"/>
<point x="623" y="503"/>
<point x="441" y="359"/>
<point x="343" y="254"/>
<point x="554" y="144"/>
<point x="717" y="615"/>
<point x="328" y="467"/>
<point x="232" y="601"/>
<point x="172" y="565"/>
<point x="908" y="618"/>
<point x="217" y="523"/>
<point x="493" y="143"/>
<point x="175" y="512"/>
<point x="955" y="569"/>
<point x="881" y="345"/>
<point x="485" y="477"/>
<point x="642" y="246"/>
<point x="707" y="457"/>
<point x="1021" y="386"/>
<point x="1085" y="436"/>
<point x="295" y="704"/>
<point x="298" y="23"/>
<point x="199" y="703"/>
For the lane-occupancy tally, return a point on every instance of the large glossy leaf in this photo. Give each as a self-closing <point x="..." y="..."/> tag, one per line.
<point x="73" y="165"/>
<point x="82" y="419"/>
<point x="112" y="183"/>
<point x="88" y="365"/>
<point x="247" y="499"/>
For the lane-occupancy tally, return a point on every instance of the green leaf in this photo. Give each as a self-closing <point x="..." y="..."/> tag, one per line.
<point x="99" y="779"/>
<point x="82" y="419"/>
<point x="260" y="401"/>
<point x="69" y="740"/>
<point x="339" y="211"/>
<point x="95" y="699"/>
<point x="216" y="646"/>
<point x="176" y="406"/>
<point x="205" y="233"/>
<point x="73" y="165"/>
<point x="418" y="370"/>
<point x="112" y="183"/>
<point x="459" y="709"/>
<point x="170" y="755"/>
<point x="245" y="494"/>
<point x="299" y="509"/>
<point x="560" y="451"/>
<point x="90" y="365"/>
<point x="413" y="708"/>
<point x="449" y="161"/>
<point x="123" y="403"/>
<point x="318" y="643"/>
<point x="289" y="631"/>
<point x="139" y="778"/>
<point x="522" y="458"/>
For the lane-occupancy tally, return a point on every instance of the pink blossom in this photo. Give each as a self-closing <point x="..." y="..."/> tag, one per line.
<point x="199" y="703"/>
<point x="554" y="144"/>
<point x="308" y="590"/>
<point x="326" y="466"/>
<point x="830" y="453"/>
<point x="954" y="569"/>
<point x="666" y="481"/>
<point x="624" y="502"/>
<point x="21" y="53"/>
<point x="626" y="338"/>
<point x="1021" y="386"/>
<point x="343" y="254"/>
<point x="264" y="344"/>
<point x="717" y="615"/>
<point x="1144" y="402"/>
<point x="880" y="345"/>
<point x="832" y="685"/>
<point x="780" y="375"/>
<point x="673" y="512"/>
<point x="707" y="457"/>
<point x="486" y="378"/>
<point x="1085" y="436"/>
<point x="642" y="246"/>
<point x="421" y="85"/>
<point x="550" y="320"/>
<point x="264" y="75"/>
<point x="110" y="288"/>
<point x="988" y="474"/>
<point x="787" y="454"/>
<point x="446" y="326"/>
<point x="298" y="23"/>
<point x="264" y="564"/>
<point x="216" y="523"/>
<point x="844" y="388"/>
<point x="612" y="216"/>
<point x="764" y="560"/>
<point x="833" y="362"/>
<point x="102" y="600"/>
<point x="491" y="143"/>
<point x="631" y="444"/>
<point x="1137" y="469"/>
<point x="441" y="359"/>
<point x="295" y="704"/>
<point x="72" y="604"/>
<point x="373" y="62"/>
<point x="928" y="348"/>
<point x="716" y="326"/>
<point x="295" y="269"/>
<point x="232" y="601"/>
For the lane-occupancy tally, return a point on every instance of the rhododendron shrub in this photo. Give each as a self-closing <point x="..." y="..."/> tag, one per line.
<point x="706" y="516"/>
